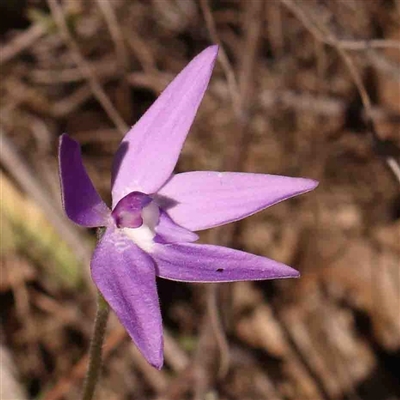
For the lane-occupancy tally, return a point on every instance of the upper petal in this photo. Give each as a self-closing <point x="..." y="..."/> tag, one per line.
<point x="125" y="276"/>
<point x="81" y="201"/>
<point x="203" y="199"/>
<point x="206" y="263"/>
<point x="150" y="150"/>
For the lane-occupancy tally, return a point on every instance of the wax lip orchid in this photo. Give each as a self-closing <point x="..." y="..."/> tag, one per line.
<point x="150" y="228"/>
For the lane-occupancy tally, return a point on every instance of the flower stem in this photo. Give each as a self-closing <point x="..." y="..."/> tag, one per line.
<point x="96" y="345"/>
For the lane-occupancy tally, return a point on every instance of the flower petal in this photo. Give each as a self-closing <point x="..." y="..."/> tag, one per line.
<point x="125" y="276"/>
<point x="150" y="150"/>
<point x="204" y="199"/>
<point x="81" y="202"/>
<point x="206" y="263"/>
<point x="169" y="232"/>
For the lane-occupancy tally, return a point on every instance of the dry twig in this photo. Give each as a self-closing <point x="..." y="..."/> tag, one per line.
<point x="226" y="65"/>
<point x="80" y="61"/>
<point x="21" y="42"/>
<point x="328" y="38"/>
<point x="322" y="34"/>
<point x="115" y="32"/>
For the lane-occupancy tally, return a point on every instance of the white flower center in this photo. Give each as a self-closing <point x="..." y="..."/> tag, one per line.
<point x="144" y="235"/>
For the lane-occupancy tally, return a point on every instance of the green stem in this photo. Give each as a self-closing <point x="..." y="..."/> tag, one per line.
<point x="96" y="346"/>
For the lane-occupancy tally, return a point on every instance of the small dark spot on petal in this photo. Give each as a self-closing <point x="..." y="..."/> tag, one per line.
<point x="220" y="270"/>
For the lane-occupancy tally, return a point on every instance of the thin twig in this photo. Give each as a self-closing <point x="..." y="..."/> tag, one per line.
<point x="218" y="330"/>
<point x="394" y="166"/>
<point x="226" y="65"/>
<point x="267" y="98"/>
<point x="157" y="380"/>
<point x="356" y="45"/>
<point x="105" y="68"/>
<point x="391" y="162"/>
<point x="323" y="34"/>
<point x="174" y="356"/>
<point x="115" y="32"/>
<point x="81" y="62"/>
<point x="142" y="51"/>
<point x="124" y="98"/>
<point x="21" y="42"/>
<point x="70" y="103"/>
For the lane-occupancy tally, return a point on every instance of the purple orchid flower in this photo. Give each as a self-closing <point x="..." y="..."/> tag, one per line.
<point x="149" y="231"/>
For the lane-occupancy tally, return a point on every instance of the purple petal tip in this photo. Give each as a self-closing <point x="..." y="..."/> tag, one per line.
<point x="210" y="52"/>
<point x="296" y="274"/>
<point x="158" y="364"/>
<point x="81" y="202"/>
<point x="65" y="138"/>
<point x="313" y="183"/>
<point x="213" y="49"/>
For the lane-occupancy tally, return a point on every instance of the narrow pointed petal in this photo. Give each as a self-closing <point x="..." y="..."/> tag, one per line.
<point x="206" y="263"/>
<point x="125" y="276"/>
<point x="81" y="202"/>
<point x="204" y="199"/>
<point x="150" y="150"/>
<point x="169" y="232"/>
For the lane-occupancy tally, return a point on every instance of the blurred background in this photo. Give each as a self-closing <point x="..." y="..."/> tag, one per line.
<point x="306" y="88"/>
